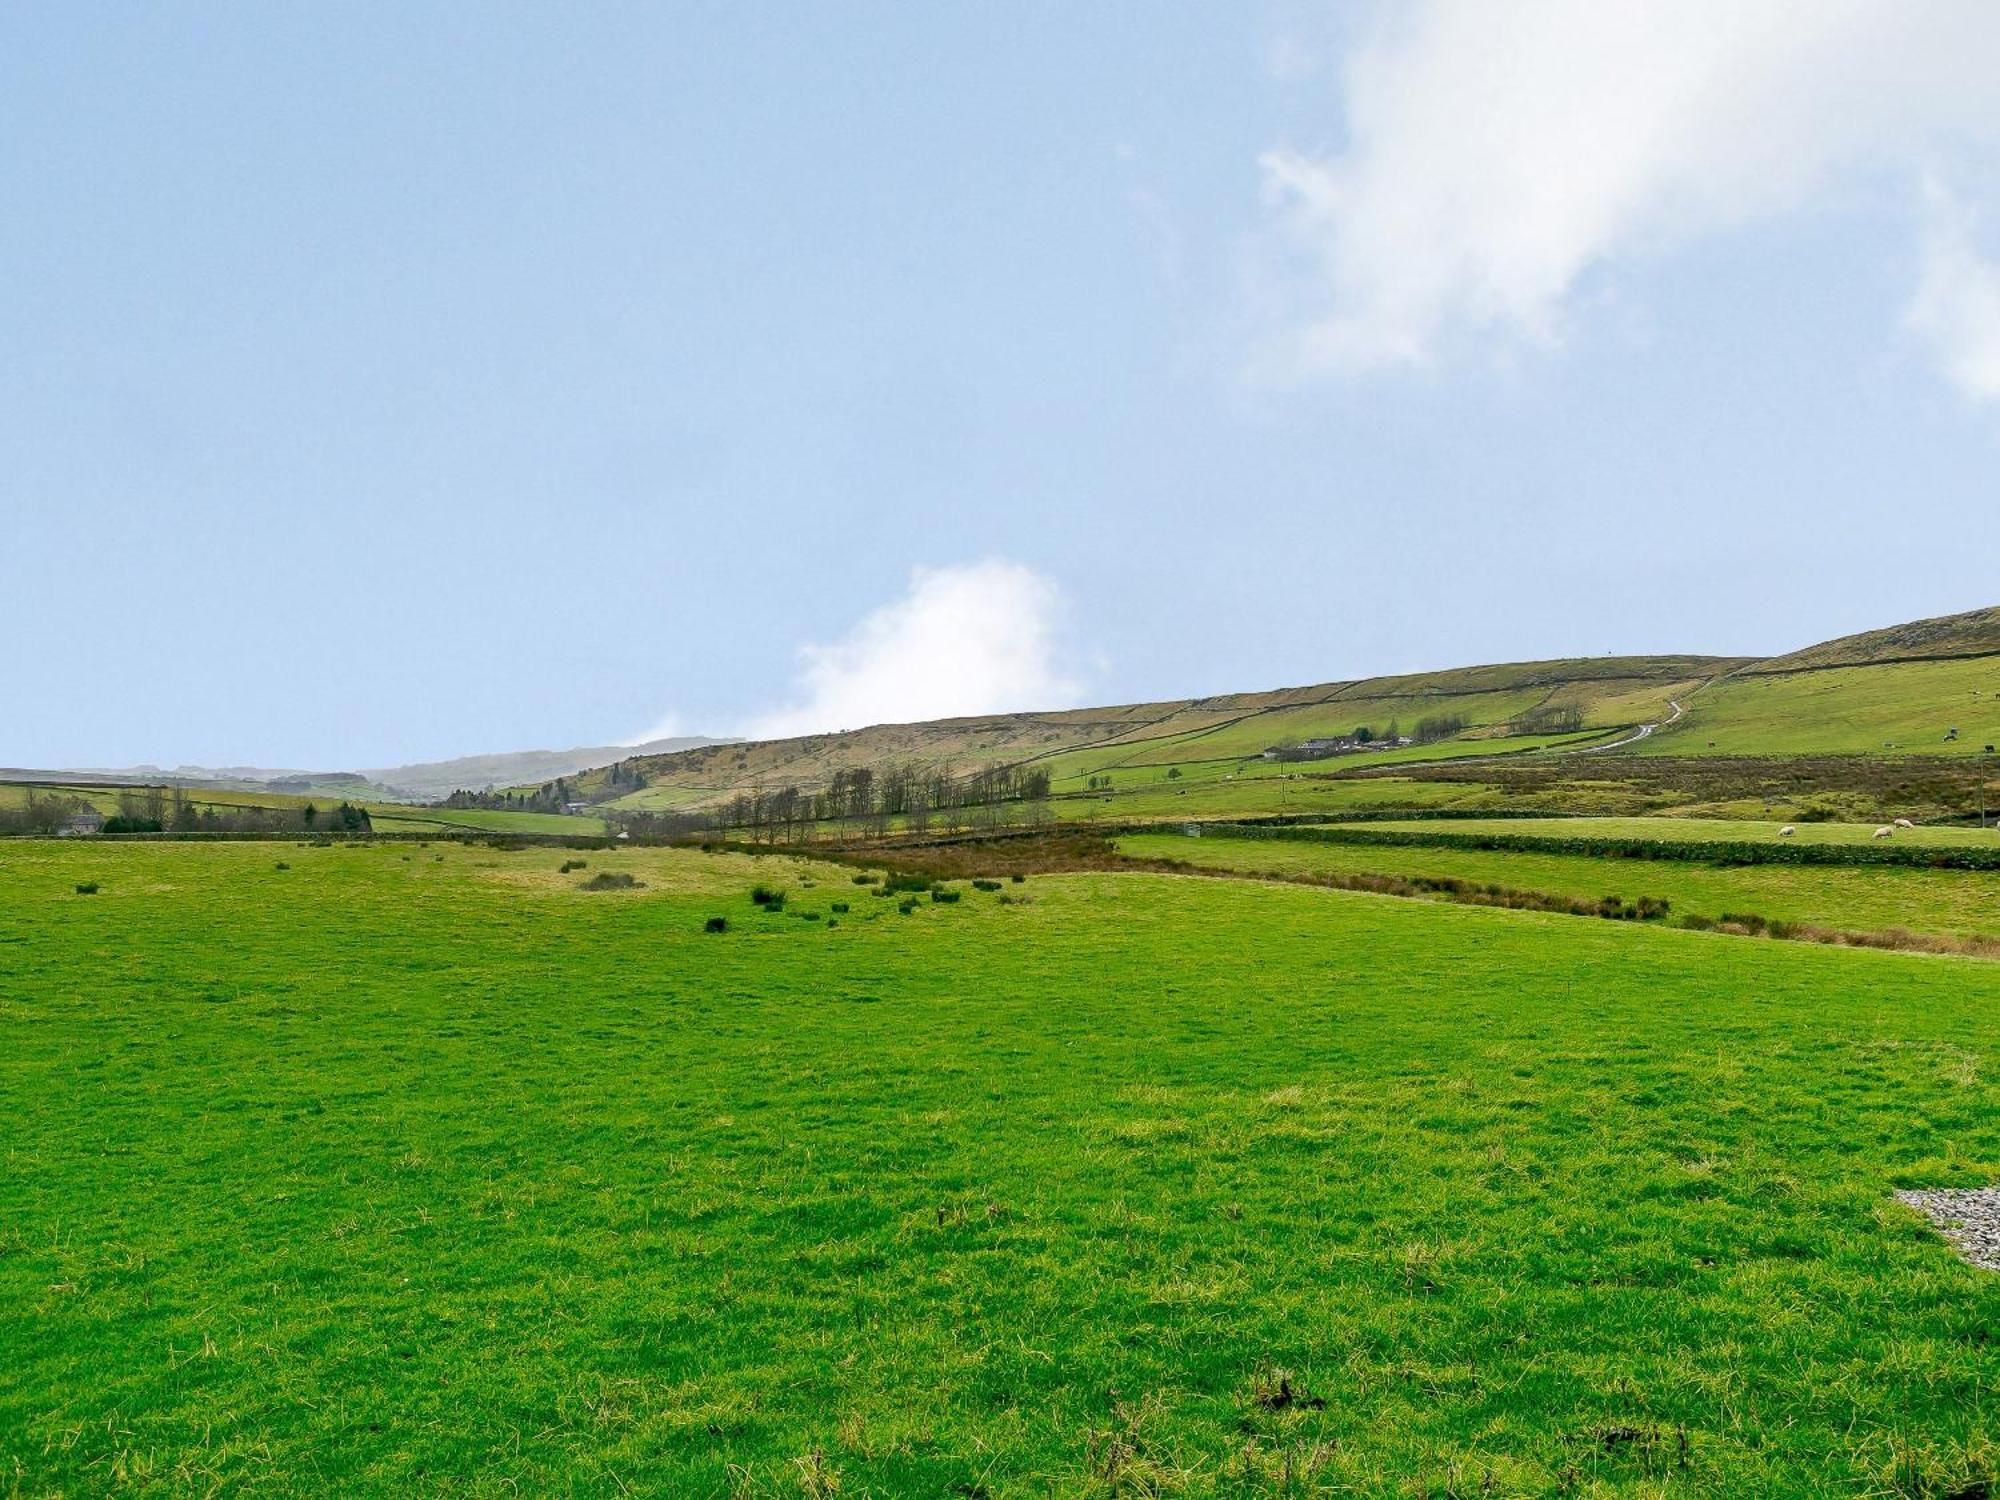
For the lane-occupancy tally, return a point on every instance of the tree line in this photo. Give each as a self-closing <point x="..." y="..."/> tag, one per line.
<point x="172" y="810"/>
<point x="866" y="799"/>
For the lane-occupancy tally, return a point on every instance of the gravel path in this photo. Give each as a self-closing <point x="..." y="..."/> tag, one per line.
<point x="1968" y="1217"/>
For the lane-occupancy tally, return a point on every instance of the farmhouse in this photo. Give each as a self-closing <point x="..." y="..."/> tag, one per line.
<point x="79" y="824"/>
<point x="1346" y="744"/>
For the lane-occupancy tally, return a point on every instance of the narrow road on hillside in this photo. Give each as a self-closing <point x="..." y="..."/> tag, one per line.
<point x="1639" y="732"/>
<point x="1644" y="731"/>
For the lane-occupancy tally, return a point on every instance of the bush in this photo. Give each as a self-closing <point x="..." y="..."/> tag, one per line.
<point x="283" y="866"/>
<point x="943" y="894"/>
<point x="806" y="916"/>
<point x="764" y="895"/>
<point x="840" y="908"/>
<point x="907" y="883"/>
<point x="986" y="885"/>
<point x="906" y="907"/>
<point x="86" y="888"/>
<point x="605" y="880"/>
<point x="573" y="864"/>
<point x="881" y="890"/>
<point x="1017" y="877"/>
<point x="866" y="878"/>
<point x="716" y="924"/>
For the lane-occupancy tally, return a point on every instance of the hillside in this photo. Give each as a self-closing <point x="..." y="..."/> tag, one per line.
<point x="1925" y="691"/>
<point x="1973" y="633"/>
<point x="440" y="778"/>
<point x="1495" y="704"/>
<point x="1930" y="687"/>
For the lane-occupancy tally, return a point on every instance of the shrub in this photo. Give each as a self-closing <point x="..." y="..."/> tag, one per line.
<point x="906" y="907"/>
<point x="716" y="924"/>
<point x="605" y="880"/>
<point x="283" y="866"/>
<point x="881" y="890"/>
<point x="840" y="908"/>
<point x="866" y="878"/>
<point x="806" y="916"/>
<point x="573" y="864"/>
<point x="1017" y="877"/>
<point x="86" y="888"/>
<point x="940" y="893"/>
<point x="833" y="921"/>
<point x="907" y="883"/>
<point x="986" y="885"/>
<point x="764" y="895"/>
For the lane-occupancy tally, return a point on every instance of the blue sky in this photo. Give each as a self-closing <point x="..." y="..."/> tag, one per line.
<point x="391" y="382"/>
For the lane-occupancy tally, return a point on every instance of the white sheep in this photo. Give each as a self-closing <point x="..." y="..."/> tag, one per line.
<point x="1904" y="823"/>
<point x="1883" y="833"/>
<point x="1787" y="831"/>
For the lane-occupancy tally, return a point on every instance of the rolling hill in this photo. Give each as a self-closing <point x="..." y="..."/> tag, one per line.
<point x="1201" y="737"/>
<point x="1891" y="695"/>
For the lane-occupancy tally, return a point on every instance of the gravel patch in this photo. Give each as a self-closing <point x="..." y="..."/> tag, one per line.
<point x="1968" y="1217"/>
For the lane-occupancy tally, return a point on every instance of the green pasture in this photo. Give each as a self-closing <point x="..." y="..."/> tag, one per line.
<point x="416" y="1171"/>
<point x="1300" y="793"/>
<point x="395" y="818"/>
<point x="1948" y="903"/>
<point x="1705" y="830"/>
<point x="1898" y="708"/>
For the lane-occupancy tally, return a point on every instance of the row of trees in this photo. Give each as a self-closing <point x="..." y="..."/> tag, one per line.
<point x="1549" y="718"/>
<point x="551" y="796"/>
<point x="172" y="810"/>
<point x="154" y="810"/>
<point x="917" y="795"/>
<point x="41" y="813"/>
<point x="866" y="799"/>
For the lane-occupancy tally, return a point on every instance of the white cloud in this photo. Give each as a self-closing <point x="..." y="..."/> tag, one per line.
<point x="972" y="638"/>
<point x="1957" y="305"/>
<point x="1498" y="154"/>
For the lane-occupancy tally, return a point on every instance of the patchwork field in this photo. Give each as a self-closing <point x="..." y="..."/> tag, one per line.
<point x="407" y="1171"/>
<point x="1705" y="830"/>
<point x="1944" y="903"/>
<point x="1906" y="707"/>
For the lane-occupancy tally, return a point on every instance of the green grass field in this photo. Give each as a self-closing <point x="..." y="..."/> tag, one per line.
<point x="405" y="1171"/>
<point x="1703" y="830"/>
<point x="1947" y="903"/>
<point x="1896" y="708"/>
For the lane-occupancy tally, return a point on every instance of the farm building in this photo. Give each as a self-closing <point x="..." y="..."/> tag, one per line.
<point x="79" y="824"/>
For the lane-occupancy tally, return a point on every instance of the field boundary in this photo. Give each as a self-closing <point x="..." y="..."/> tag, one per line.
<point x="1714" y="852"/>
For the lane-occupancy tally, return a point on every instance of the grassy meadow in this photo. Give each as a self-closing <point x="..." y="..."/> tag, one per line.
<point x="375" y="1169"/>
<point x="1903" y="707"/>
<point x="1705" y="830"/>
<point x="1943" y="903"/>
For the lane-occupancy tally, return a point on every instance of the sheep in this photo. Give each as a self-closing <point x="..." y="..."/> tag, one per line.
<point x="1904" y="823"/>
<point x="1883" y="833"/>
<point x="1787" y="831"/>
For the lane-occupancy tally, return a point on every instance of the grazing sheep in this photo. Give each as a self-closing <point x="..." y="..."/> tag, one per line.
<point x="1904" y="823"/>
<point x="1883" y="833"/>
<point x="1787" y="831"/>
